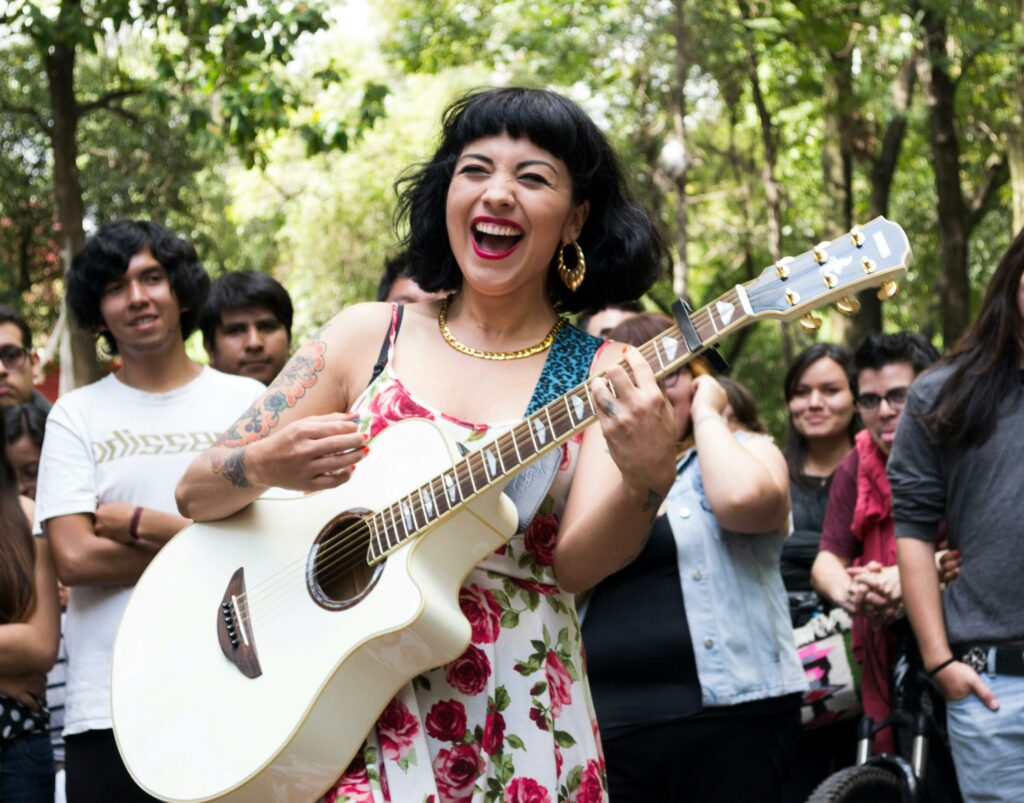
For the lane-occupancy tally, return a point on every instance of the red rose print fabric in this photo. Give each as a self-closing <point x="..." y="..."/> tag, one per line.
<point x="510" y="720"/>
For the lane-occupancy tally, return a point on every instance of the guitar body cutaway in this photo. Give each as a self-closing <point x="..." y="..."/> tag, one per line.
<point x="335" y="639"/>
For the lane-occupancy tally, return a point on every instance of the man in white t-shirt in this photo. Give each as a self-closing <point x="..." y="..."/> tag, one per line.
<point x="112" y="455"/>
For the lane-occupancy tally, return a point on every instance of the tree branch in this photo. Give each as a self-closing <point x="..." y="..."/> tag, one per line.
<point x="996" y="175"/>
<point x="107" y="100"/>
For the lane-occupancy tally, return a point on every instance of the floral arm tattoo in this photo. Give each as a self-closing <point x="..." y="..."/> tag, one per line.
<point x="227" y="456"/>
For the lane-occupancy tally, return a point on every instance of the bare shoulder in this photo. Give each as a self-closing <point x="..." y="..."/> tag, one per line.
<point x="347" y="345"/>
<point x="608" y="354"/>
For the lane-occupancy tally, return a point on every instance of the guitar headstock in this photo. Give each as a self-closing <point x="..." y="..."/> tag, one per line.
<point x="873" y="255"/>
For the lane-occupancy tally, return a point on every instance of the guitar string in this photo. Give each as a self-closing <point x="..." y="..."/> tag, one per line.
<point x="352" y="541"/>
<point x="348" y="544"/>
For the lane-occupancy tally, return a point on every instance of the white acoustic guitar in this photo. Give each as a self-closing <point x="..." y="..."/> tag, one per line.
<point x="258" y="651"/>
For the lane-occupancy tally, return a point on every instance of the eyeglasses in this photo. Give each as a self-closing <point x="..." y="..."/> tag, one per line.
<point x="13" y="357"/>
<point x="870" y="402"/>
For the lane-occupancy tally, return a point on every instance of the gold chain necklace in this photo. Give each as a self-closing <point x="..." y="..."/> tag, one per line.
<point x="450" y="339"/>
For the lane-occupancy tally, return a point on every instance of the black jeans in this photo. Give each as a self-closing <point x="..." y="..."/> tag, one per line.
<point x="95" y="772"/>
<point x="732" y="759"/>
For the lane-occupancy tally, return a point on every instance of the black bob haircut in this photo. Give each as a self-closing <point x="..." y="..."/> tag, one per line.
<point x="245" y="288"/>
<point x="623" y="251"/>
<point x="106" y="255"/>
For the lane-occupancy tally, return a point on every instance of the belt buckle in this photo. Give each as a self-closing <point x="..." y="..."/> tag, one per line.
<point x="976" y="658"/>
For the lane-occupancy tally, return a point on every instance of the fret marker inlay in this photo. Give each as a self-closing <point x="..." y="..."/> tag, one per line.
<point x="725" y="311"/>
<point x="538" y="427"/>
<point x="578" y="407"/>
<point x="492" y="462"/>
<point x="670" y="346"/>
<point x="453" y="493"/>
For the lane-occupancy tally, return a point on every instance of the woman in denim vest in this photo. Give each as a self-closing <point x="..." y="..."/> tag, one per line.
<point x="691" y="657"/>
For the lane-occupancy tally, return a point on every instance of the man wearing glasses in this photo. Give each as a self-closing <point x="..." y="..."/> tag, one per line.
<point x="17" y="362"/>
<point x="856" y="564"/>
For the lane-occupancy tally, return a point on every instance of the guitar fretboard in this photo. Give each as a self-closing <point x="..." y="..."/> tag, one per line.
<point x="537" y="434"/>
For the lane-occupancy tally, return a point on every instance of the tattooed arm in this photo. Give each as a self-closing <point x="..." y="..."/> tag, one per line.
<point x="296" y="435"/>
<point x="626" y="467"/>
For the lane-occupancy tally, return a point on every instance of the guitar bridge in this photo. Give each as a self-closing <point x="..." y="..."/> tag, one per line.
<point x="234" y="628"/>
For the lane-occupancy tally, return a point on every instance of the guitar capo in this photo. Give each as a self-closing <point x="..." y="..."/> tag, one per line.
<point x="681" y="311"/>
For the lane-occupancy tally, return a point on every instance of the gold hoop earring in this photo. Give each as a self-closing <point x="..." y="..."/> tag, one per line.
<point x="572" y="277"/>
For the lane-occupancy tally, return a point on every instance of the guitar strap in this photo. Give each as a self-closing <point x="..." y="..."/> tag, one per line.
<point x="567" y="366"/>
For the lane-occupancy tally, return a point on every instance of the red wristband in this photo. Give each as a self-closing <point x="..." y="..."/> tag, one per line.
<point x="133" y="527"/>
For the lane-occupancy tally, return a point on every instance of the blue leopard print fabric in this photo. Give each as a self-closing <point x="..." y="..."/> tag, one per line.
<point x="567" y="366"/>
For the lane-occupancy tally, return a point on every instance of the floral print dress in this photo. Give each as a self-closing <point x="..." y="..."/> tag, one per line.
<point x="511" y="719"/>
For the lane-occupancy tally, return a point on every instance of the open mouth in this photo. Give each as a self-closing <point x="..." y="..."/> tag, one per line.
<point x="493" y="239"/>
<point x="143" y="320"/>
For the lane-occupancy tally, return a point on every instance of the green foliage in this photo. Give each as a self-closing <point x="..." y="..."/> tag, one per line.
<point x="273" y="135"/>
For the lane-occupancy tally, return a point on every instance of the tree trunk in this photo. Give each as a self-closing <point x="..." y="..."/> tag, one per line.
<point x="773" y="197"/>
<point x="1015" y="154"/>
<point x="883" y="172"/>
<point x="77" y="348"/>
<point x="680" y="269"/>
<point x="837" y="161"/>
<point x="939" y="91"/>
<point x="1015" y="138"/>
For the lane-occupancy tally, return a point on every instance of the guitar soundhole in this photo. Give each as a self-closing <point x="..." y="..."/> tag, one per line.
<point x="337" y="573"/>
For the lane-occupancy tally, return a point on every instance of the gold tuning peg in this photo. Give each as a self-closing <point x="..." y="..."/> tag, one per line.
<point x="810" y="322"/>
<point x="887" y="290"/>
<point x="848" y="305"/>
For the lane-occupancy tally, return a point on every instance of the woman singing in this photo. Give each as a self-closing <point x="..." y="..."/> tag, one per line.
<point x="523" y="213"/>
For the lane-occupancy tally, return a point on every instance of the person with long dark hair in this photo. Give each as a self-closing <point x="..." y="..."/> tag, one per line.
<point x="957" y="458"/>
<point x="29" y="630"/>
<point x="522" y="211"/>
<point x="712" y="682"/>
<point x="819" y="392"/>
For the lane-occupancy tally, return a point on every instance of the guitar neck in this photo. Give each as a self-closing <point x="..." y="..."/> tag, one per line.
<point x="539" y="433"/>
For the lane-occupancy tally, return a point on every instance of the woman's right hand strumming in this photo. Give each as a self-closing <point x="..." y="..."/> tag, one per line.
<point x="292" y="436"/>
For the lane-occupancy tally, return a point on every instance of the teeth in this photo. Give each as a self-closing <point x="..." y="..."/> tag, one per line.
<point x="497" y="229"/>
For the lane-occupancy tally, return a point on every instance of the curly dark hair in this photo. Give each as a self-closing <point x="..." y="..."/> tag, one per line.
<point x="624" y="252"/>
<point x="245" y="288"/>
<point x="106" y="255"/>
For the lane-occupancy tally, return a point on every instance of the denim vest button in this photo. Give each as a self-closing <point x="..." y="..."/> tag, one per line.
<point x="708" y="643"/>
<point x="696" y="574"/>
<point x="684" y="512"/>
